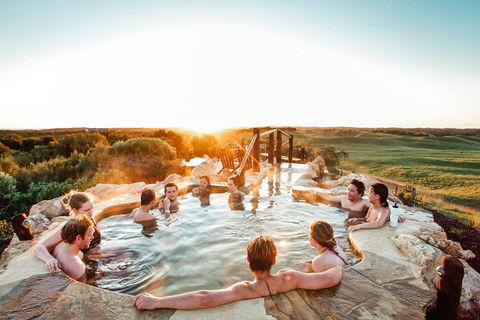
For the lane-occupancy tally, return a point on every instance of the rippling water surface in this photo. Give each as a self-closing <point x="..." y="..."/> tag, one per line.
<point x="205" y="247"/>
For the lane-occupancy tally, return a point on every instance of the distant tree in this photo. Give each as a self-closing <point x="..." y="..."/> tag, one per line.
<point x="13" y="141"/>
<point x="29" y="143"/>
<point x="202" y="145"/>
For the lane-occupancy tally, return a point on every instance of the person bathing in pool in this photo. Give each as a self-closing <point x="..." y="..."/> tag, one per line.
<point x="80" y="203"/>
<point x="261" y="255"/>
<point x="147" y="203"/>
<point x="329" y="254"/>
<point x="378" y="213"/>
<point x="203" y="191"/>
<point x="352" y="200"/>
<point x="168" y="203"/>
<point x="76" y="235"/>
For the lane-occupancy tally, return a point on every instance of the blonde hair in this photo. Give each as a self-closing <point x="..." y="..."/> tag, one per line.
<point x="322" y="232"/>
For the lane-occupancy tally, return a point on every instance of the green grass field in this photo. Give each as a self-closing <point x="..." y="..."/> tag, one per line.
<point x="445" y="170"/>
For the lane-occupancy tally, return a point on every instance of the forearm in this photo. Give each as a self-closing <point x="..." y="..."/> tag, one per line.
<point x="42" y="253"/>
<point x="325" y="196"/>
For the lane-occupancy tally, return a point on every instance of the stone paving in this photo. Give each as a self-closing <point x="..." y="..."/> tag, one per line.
<point x="395" y="280"/>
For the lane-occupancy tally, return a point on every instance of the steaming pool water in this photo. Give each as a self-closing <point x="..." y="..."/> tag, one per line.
<point x="205" y="247"/>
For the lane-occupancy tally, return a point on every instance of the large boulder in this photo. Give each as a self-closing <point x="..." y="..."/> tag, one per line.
<point x="50" y="208"/>
<point x="38" y="223"/>
<point x="102" y="191"/>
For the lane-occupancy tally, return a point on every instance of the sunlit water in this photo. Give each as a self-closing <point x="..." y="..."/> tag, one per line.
<point x="205" y="247"/>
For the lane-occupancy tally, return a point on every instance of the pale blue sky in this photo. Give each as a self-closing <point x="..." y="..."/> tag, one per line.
<point x="213" y="64"/>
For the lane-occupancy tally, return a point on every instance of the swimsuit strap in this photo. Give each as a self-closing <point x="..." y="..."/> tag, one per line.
<point x="337" y="254"/>
<point x="268" y="288"/>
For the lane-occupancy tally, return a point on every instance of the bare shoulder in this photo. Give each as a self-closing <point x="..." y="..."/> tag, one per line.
<point x="73" y="266"/>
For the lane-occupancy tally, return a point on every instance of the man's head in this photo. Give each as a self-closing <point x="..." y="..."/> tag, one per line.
<point x="147" y="197"/>
<point x="171" y="191"/>
<point x="261" y="253"/>
<point x="78" y="230"/>
<point x="356" y="189"/>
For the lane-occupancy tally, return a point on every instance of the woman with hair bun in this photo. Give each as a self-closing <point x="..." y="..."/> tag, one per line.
<point x="79" y="203"/>
<point x="329" y="254"/>
<point x="378" y="213"/>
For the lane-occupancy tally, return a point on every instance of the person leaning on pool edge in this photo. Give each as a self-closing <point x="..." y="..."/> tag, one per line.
<point x="353" y="199"/>
<point x="261" y="255"/>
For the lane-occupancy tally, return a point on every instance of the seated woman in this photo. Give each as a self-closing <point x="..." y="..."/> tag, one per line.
<point x="235" y="200"/>
<point x="329" y="254"/>
<point x="378" y="213"/>
<point x="80" y="203"/>
<point x="261" y="255"/>
<point x="203" y="191"/>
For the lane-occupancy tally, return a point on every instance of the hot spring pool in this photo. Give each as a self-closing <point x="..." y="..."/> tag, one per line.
<point x="205" y="247"/>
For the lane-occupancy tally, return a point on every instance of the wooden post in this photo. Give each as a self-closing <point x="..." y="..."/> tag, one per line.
<point x="271" y="148"/>
<point x="279" y="147"/>
<point x="290" y="149"/>
<point x="449" y="289"/>
<point x="22" y="228"/>
<point x="256" y="150"/>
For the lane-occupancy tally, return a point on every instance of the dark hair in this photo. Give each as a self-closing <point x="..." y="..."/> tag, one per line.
<point x="77" y="226"/>
<point x="168" y="185"/>
<point x="381" y="190"/>
<point x="322" y="232"/>
<point x="206" y="178"/>
<point x="76" y="200"/>
<point x="235" y="179"/>
<point x="147" y="196"/>
<point x="261" y="254"/>
<point x="359" y="185"/>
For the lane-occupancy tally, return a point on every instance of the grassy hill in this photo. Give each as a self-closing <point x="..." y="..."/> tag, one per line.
<point x="444" y="169"/>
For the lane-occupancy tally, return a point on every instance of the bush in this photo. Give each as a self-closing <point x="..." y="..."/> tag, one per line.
<point x="143" y="147"/>
<point x="202" y="145"/>
<point x="7" y="188"/>
<point x="8" y="164"/>
<point x="6" y="230"/>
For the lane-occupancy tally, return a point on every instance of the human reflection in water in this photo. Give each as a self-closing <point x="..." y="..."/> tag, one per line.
<point x="235" y="200"/>
<point x="203" y="191"/>
<point x="149" y="227"/>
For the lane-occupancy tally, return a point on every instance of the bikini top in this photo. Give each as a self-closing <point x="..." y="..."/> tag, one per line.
<point x="337" y="254"/>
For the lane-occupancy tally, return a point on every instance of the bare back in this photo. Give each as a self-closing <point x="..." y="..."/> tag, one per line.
<point x="72" y="264"/>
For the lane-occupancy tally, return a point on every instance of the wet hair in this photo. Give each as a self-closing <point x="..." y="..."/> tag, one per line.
<point x="359" y="185"/>
<point x="75" y="200"/>
<point x="147" y="196"/>
<point x="322" y="232"/>
<point x="381" y="190"/>
<point x="261" y="253"/>
<point x="77" y="226"/>
<point x="206" y="178"/>
<point x="168" y="185"/>
<point x="235" y="179"/>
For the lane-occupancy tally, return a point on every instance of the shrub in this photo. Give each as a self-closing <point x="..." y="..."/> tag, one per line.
<point x="202" y="145"/>
<point x="6" y="230"/>
<point x="143" y="147"/>
<point x="7" y="188"/>
<point x="8" y="164"/>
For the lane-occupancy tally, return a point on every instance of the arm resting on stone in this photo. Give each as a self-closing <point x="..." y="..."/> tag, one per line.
<point x="42" y="252"/>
